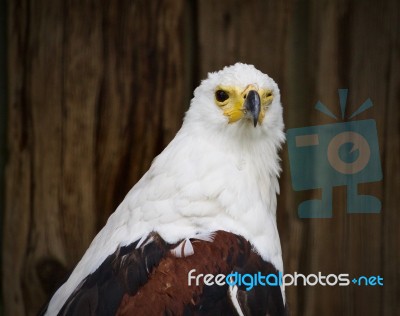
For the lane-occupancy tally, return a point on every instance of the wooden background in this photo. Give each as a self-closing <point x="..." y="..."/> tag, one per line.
<point x="97" y="88"/>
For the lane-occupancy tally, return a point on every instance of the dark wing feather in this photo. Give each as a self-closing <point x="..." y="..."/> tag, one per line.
<point x="260" y="300"/>
<point x="125" y="271"/>
<point x="153" y="280"/>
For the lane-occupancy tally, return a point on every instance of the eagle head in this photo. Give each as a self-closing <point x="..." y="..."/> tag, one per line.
<point x="239" y="97"/>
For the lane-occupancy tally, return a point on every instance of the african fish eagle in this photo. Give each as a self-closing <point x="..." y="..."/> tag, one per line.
<point x="206" y="206"/>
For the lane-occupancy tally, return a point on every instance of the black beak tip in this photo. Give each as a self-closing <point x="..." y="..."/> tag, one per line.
<point x="253" y="105"/>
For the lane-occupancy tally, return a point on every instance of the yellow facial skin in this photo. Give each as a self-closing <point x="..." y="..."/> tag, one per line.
<point x="233" y="106"/>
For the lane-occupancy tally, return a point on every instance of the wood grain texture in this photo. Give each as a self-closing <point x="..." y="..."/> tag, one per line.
<point x="95" y="92"/>
<point x="97" y="89"/>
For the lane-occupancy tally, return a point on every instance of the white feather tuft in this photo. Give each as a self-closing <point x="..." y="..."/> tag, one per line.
<point x="139" y="244"/>
<point x="209" y="237"/>
<point x="233" y="296"/>
<point x="184" y="249"/>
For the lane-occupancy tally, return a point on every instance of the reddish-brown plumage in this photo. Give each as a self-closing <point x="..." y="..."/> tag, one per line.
<point x="150" y="277"/>
<point x="167" y="290"/>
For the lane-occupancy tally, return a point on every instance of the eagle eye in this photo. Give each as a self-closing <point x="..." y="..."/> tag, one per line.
<point x="221" y="95"/>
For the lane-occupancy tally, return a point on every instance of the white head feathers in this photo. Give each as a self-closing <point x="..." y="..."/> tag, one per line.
<point x="203" y="109"/>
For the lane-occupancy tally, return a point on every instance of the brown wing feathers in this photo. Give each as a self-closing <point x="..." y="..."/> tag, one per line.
<point x="149" y="278"/>
<point x="167" y="289"/>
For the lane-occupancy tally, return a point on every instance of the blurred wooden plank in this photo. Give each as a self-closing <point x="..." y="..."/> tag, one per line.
<point x="96" y="91"/>
<point x="3" y="101"/>
<point x="33" y="170"/>
<point x="325" y="237"/>
<point x="297" y="91"/>
<point x="251" y="32"/>
<point x="368" y="64"/>
<point x="391" y="183"/>
<point x="352" y="243"/>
